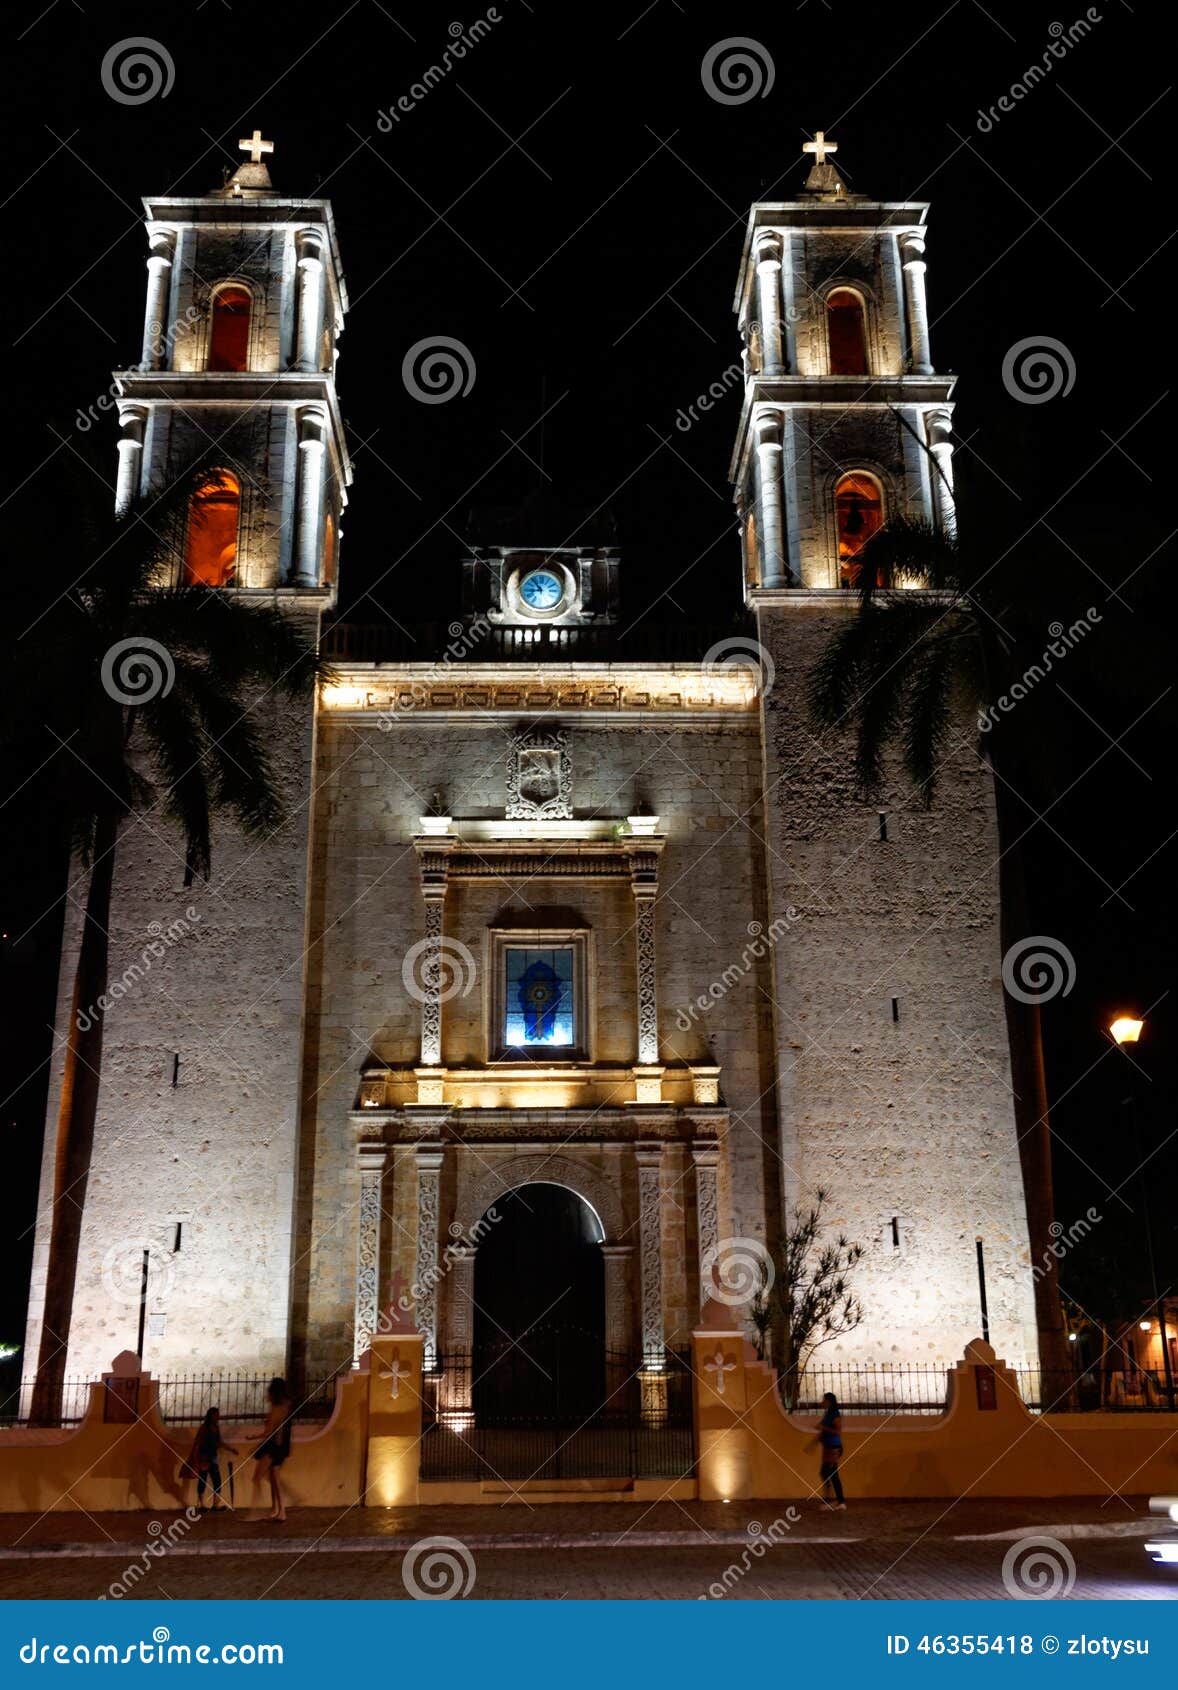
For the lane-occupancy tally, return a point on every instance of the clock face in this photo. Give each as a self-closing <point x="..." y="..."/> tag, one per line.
<point x="541" y="590"/>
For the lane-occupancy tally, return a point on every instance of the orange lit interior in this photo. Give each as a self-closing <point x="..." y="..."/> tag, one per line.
<point x="229" y="339"/>
<point x="213" y="510"/>
<point x="847" y="334"/>
<point x="859" y="512"/>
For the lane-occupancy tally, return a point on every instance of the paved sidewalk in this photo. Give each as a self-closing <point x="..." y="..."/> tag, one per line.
<point x="573" y="1525"/>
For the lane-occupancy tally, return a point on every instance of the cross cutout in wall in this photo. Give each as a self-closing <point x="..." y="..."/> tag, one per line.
<point x="820" y="146"/>
<point x="255" y="147"/>
<point x="719" y="1365"/>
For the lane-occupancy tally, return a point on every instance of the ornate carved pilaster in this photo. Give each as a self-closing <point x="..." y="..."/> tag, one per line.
<point x="650" y="1246"/>
<point x="425" y="1278"/>
<point x="616" y="1261"/>
<point x="424" y="968"/>
<point x="644" y="883"/>
<point x="705" y="1154"/>
<point x="461" y="1333"/>
<point x="370" y="1159"/>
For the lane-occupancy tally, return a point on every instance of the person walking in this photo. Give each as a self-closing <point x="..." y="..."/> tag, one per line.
<point x="275" y="1445"/>
<point x="204" y="1460"/>
<point x="830" y="1430"/>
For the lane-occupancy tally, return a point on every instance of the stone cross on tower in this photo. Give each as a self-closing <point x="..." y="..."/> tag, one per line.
<point x="819" y="146"/>
<point x="255" y="146"/>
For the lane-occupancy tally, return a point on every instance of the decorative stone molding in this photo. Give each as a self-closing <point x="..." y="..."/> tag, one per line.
<point x="650" y="1244"/>
<point x="539" y="775"/>
<point x="705" y="1084"/>
<point x="495" y="1181"/>
<point x="425" y="1286"/>
<point x="684" y="691"/>
<point x="462" y="1296"/>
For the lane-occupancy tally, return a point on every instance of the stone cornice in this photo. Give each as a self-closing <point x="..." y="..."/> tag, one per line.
<point x="403" y="692"/>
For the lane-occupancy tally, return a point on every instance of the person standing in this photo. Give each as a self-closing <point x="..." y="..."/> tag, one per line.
<point x="205" y="1457"/>
<point x="830" y="1430"/>
<point x="275" y="1445"/>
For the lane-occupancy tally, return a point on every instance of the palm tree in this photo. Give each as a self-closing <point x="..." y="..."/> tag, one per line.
<point x="897" y="675"/>
<point x="156" y="703"/>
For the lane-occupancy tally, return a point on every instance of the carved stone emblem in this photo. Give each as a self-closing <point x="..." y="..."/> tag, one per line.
<point x="539" y="775"/>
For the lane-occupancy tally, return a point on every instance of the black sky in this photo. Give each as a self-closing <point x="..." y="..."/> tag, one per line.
<point x="570" y="204"/>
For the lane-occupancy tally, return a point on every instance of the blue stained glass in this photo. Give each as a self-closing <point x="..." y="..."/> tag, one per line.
<point x="539" y="997"/>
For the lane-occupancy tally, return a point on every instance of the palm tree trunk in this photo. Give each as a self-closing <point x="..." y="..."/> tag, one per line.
<point x="75" y="1129"/>
<point x="1025" y="1036"/>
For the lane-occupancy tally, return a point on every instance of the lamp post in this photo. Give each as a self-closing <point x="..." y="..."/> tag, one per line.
<point x="1126" y="1030"/>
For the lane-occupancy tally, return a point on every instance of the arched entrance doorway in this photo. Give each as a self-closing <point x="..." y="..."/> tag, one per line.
<point x="539" y="1310"/>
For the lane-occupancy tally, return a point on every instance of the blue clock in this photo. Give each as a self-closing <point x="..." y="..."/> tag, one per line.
<point x="541" y="590"/>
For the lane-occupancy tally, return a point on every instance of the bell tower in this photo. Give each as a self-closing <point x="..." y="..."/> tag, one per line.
<point x="845" y="422"/>
<point x="893" y="1070"/>
<point x="245" y="306"/>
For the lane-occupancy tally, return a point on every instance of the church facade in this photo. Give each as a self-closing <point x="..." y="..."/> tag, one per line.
<point x="545" y="912"/>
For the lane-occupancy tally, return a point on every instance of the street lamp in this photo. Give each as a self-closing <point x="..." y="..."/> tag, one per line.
<point x="1125" y="1030"/>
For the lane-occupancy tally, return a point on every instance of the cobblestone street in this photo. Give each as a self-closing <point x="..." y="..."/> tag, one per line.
<point x="880" y="1551"/>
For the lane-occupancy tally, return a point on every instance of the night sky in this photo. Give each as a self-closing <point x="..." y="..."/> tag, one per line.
<point x="570" y="204"/>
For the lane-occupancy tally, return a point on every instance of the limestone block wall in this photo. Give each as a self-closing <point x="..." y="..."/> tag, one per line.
<point x="867" y="262"/>
<point x="212" y="1154"/>
<point x="909" y="1118"/>
<point x="263" y="260"/>
<point x="367" y="911"/>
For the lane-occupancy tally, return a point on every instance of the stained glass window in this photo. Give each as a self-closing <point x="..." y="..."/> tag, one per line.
<point x="538" y="1001"/>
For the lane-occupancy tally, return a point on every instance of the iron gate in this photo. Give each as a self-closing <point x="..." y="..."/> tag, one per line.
<point x="635" y="1425"/>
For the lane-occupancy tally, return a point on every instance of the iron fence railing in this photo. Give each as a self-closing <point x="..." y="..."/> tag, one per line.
<point x="185" y="1399"/>
<point x="922" y="1388"/>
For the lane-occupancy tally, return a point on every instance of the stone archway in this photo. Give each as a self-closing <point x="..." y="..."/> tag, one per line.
<point x="538" y="1169"/>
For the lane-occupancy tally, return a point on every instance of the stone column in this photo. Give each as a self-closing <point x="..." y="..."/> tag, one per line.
<point x="131" y="423"/>
<point x="912" y="258"/>
<point x="644" y="883"/>
<point x="460" y="1335"/>
<point x="159" y="280"/>
<point x="616" y="1261"/>
<point x="309" y="529"/>
<point x="789" y="303"/>
<point x="705" y="1155"/>
<point x="370" y="1159"/>
<point x="425" y="1276"/>
<point x="768" y="253"/>
<point x="309" y="355"/>
<point x="939" y="428"/>
<point x="768" y="435"/>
